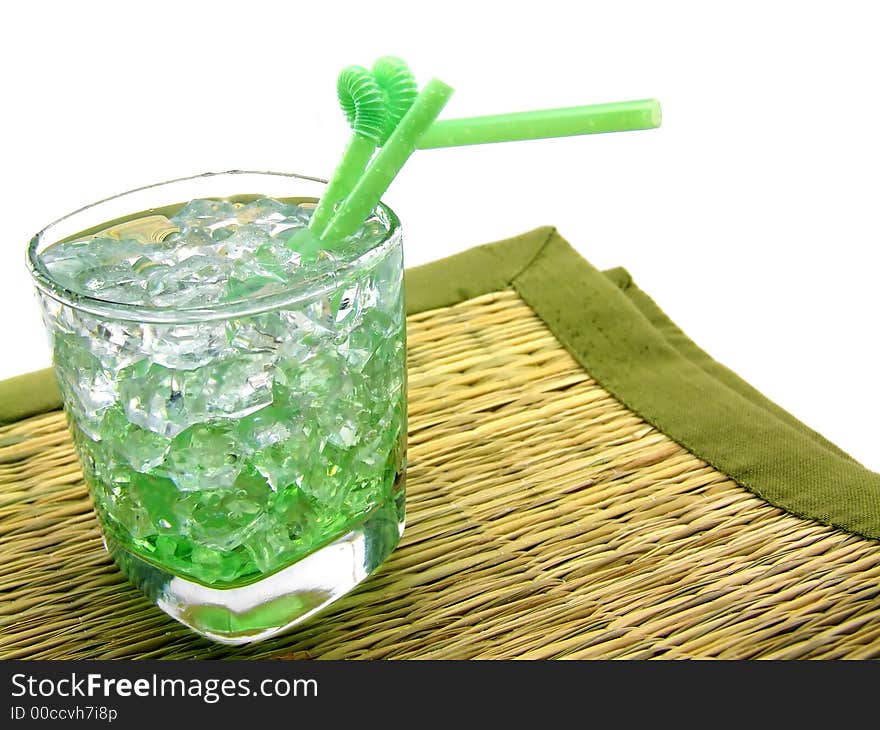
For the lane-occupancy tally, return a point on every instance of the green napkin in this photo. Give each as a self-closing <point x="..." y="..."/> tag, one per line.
<point x="628" y="345"/>
<point x="27" y="395"/>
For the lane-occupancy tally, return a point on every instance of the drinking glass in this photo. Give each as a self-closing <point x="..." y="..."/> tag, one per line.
<point x="246" y="459"/>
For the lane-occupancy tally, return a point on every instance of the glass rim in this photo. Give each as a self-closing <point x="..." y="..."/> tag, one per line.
<point x="170" y="314"/>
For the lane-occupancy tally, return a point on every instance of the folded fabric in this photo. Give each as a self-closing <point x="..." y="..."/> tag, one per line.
<point x="628" y="345"/>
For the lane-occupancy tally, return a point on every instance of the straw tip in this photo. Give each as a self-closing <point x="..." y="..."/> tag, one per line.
<point x="436" y="84"/>
<point x="656" y="113"/>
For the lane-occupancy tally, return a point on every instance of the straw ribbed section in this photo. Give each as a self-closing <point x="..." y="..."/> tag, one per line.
<point x="544" y="521"/>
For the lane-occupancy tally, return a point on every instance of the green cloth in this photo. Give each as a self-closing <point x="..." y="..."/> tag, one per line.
<point x="27" y="395"/>
<point x="634" y="351"/>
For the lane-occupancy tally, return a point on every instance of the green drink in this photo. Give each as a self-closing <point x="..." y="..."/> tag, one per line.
<point x="238" y="404"/>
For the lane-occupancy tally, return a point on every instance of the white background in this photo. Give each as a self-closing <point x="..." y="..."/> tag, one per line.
<point x="751" y="216"/>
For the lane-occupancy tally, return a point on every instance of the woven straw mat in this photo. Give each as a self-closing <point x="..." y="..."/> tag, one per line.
<point x="544" y="521"/>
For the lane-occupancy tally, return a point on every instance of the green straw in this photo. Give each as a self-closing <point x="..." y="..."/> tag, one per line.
<point x="373" y="102"/>
<point x="364" y="107"/>
<point x="367" y="192"/>
<point x="621" y="116"/>
<point x="399" y="88"/>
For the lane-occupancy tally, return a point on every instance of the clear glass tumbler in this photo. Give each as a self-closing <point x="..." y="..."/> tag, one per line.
<point x="246" y="460"/>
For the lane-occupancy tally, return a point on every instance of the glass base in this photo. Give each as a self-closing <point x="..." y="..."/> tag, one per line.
<point x="256" y="611"/>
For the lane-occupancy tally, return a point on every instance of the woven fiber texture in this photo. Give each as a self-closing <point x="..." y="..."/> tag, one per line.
<point x="545" y="520"/>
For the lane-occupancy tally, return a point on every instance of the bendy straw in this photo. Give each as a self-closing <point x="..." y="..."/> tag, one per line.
<point x="373" y="103"/>
<point x="364" y="107"/>
<point x="398" y="87"/>
<point x="564" y="122"/>
<point x="388" y="161"/>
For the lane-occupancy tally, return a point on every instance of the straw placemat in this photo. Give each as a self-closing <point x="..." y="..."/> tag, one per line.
<point x="545" y="518"/>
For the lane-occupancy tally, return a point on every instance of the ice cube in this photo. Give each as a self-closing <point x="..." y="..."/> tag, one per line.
<point x="185" y="346"/>
<point x="116" y="344"/>
<point x="266" y="427"/>
<point x="83" y="265"/>
<point x="153" y="398"/>
<point x="234" y="387"/>
<point x="167" y="401"/>
<point x="88" y="390"/>
<point x="275" y="254"/>
<point x="252" y="335"/>
<point x="204" y="213"/>
<point x="99" y="278"/>
<point x="196" y="281"/>
<point x="282" y="465"/>
<point x="265" y="212"/>
<point x="246" y="239"/>
<point x="142" y="449"/>
<point x="224" y="518"/>
<point x="205" y="456"/>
